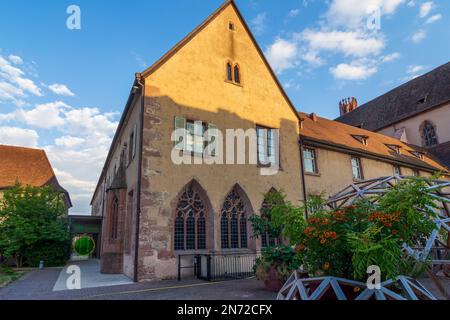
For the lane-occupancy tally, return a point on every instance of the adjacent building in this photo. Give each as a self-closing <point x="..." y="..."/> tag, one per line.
<point x="28" y="167"/>
<point x="335" y="155"/>
<point x="417" y="112"/>
<point x="158" y="213"/>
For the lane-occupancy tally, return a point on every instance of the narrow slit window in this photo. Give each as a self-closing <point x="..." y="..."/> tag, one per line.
<point x="237" y="74"/>
<point x="229" y="72"/>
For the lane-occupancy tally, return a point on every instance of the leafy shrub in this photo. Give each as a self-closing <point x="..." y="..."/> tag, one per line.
<point x="282" y="258"/>
<point x="345" y="242"/>
<point x="33" y="226"/>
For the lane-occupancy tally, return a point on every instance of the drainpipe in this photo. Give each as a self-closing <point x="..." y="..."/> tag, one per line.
<point x="302" y="170"/>
<point x="140" y="82"/>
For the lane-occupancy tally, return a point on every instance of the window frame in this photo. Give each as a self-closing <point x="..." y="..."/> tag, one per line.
<point x="397" y="168"/>
<point x="114" y="219"/>
<point x="267" y="146"/>
<point x="360" y="169"/>
<point x="426" y="135"/>
<point x="314" y="159"/>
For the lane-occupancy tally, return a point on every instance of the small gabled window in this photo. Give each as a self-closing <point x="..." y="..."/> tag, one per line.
<point x="361" y="138"/>
<point x="417" y="154"/>
<point x="394" y="147"/>
<point x="397" y="170"/>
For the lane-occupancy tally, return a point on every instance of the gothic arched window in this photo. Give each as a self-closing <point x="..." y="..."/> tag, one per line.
<point x="190" y="222"/>
<point x="267" y="240"/>
<point x="229" y="72"/>
<point x="237" y="74"/>
<point x="233" y="224"/>
<point x="429" y="134"/>
<point x="114" y="218"/>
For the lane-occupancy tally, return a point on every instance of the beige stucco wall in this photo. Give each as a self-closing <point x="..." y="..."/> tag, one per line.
<point x="192" y="85"/>
<point x="440" y="117"/>
<point x="335" y="172"/>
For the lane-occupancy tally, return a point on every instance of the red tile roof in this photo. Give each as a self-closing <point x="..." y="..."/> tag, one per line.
<point x="28" y="166"/>
<point x="344" y="136"/>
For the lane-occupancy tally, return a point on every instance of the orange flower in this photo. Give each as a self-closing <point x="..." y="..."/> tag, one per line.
<point x="356" y="289"/>
<point x="299" y="248"/>
<point x="326" y="266"/>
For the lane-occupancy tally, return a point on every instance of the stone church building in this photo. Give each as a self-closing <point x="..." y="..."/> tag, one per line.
<point x="157" y="212"/>
<point x="417" y="112"/>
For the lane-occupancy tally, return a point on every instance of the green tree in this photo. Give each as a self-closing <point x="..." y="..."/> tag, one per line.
<point x="33" y="225"/>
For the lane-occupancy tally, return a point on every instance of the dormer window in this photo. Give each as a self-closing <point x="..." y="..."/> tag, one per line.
<point x="417" y="154"/>
<point x="394" y="147"/>
<point x="361" y="138"/>
<point x="423" y="100"/>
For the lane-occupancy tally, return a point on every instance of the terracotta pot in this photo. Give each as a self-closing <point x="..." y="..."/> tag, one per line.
<point x="272" y="282"/>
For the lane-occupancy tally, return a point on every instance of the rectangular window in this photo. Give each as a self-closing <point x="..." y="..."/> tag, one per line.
<point x="416" y="173"/>
<point x="189" y="135"/>
<point x="397" y="171"/>
<point x="309" y="160"/>
<point x="356" y="169"/>
<point x="267" y="146"/>
<point x="131" y="148"/>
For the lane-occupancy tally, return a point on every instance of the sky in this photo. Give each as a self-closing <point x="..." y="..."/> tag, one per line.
<point x="64" y="89"/>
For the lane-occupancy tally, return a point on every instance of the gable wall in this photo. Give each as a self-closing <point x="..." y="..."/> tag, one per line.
<point x="192" y="85"/>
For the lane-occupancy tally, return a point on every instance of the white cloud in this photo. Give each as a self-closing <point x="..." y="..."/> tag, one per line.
<point x="390" y="57"/>
<point x="69" y="141"/>
<point x="18" y="136"/>
<point x="419" y="36"/>
<point x="61" y="89"/>
<point x="355" y="71"/>
<point x="426" y="8"/>
<point x="282" y="55"/>
<point x="258" y="23"/>
<point x="294" y="13"/>
<point x="16" y="76"/>
<point x="45" y="116"/>
<point x="434" y="18"/>
<point x="411" y="3"/>
<point x="354" y="13"/>
<point x="15" y="59"/>
<point x="414" y="69"/>
<point x="349" y="43"/>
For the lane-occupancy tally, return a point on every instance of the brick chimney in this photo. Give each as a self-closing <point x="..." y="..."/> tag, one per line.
<point x="348" y="105"/>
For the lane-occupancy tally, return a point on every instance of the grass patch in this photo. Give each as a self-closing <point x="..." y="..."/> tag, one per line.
<point x="8" y="275"/>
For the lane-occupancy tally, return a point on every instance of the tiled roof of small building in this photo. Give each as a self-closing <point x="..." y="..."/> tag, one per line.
<point x="28" y="166"/>
<point x="343" y="136"/>
<point x="414" y="97"/>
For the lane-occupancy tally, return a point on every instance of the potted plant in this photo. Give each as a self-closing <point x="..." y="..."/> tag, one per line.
<point x="275" y="266"/>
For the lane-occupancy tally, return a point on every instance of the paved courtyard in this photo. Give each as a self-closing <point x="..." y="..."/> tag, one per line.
<point x="50" y="284"/>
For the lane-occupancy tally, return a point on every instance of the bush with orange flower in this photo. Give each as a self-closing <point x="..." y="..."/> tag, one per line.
<point x="345" y="241"/>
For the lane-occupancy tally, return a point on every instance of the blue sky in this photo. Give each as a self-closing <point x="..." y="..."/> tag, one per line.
<point x="64" y="90"/>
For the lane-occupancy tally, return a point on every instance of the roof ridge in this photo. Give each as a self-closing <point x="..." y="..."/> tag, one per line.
<point x="180" y="44"/>
<point x="408" y="83"/>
